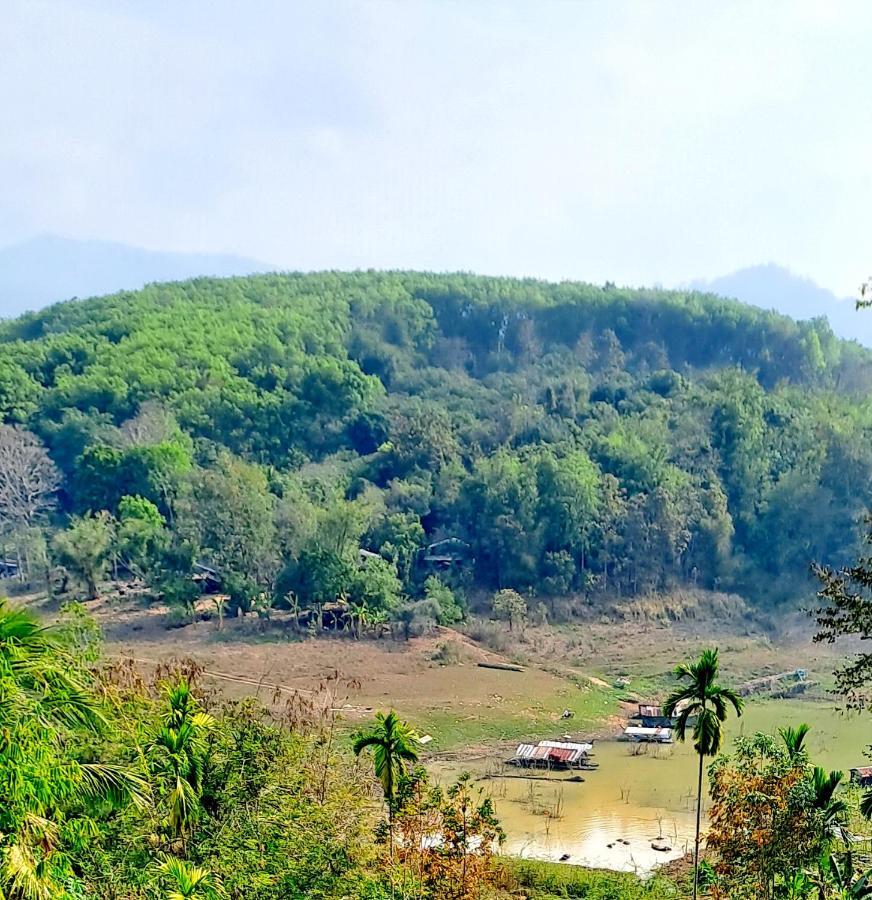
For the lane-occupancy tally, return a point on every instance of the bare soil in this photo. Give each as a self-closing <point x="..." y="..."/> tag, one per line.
<point x="585" y="669"/>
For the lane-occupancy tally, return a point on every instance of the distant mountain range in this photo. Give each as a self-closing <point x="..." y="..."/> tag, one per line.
<point x="774" y="287"/>
<point x="44" y="270"/>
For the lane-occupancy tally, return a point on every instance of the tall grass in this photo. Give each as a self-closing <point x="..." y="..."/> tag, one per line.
<point x="547" y="881"/>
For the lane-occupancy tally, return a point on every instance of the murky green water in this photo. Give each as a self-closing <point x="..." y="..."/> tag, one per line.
<point x="631" y="800"/>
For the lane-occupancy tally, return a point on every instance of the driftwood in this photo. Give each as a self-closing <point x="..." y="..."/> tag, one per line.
<point x="507" y="667"/>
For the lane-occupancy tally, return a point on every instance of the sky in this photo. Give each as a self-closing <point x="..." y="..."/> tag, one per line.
<point x="637" y="142"/>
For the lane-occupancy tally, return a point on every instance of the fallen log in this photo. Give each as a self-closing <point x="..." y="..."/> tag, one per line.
<point x="507" y="667"/>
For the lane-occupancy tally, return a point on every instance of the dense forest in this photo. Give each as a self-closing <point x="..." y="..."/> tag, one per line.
<point x="312" y="437"/>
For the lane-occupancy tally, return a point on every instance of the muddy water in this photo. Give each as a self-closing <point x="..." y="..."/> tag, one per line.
<point x="631" y="800"/>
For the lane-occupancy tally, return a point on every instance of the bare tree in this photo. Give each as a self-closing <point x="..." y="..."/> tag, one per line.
<point x="28" y="483"/>
<point x="151" y="425"/>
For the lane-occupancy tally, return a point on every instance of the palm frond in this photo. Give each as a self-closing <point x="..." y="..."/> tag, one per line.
<point x="708" y="733"/>
<point x="21" y="877"/>
<point x="794" y="738"/>
<point x="364" y="741"/>
<point x="866" y="804"/>
<point x="114" y="784"/>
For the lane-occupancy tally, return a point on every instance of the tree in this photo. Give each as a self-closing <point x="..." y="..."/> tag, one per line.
<point x="846" y="610"/>
<point x="510" y="606"/>
<point x="29" y="481"/>
<point x="140" y="534"/>
<point x="851" y="884"/>
<point x="794" y="739"/>
<point x="375" y="584"/>
<point x="772" y="815"/>
<point x="318" y="576"/>
<point x="707" y="702"/>
<point x="152" y="424"/>
<point x="46" y="789"/>
<point x="499" y="503"/>
<point x="85" y="548"/>
<point x="832" y="809"/>
<point x="28" y="478"/>
<point x="34" y="659"/>
<point x="569" y="501"/>
<point x="448" y="836"/>
<point x="398" y="537"/>
<point x="228" y="513"/>
<point x="449" y="610"/>
<point x="178" y="754"/>
<point x="393" y="747"/>
<point x="189" y="882"/>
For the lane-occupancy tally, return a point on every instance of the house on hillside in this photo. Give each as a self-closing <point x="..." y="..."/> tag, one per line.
<point x="449" y="553"/>
<point x="208" y="579"/>
<point x="862" y="775"/>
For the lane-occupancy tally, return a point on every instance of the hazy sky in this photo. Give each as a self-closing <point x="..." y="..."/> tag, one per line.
<point x="638" y="142"/>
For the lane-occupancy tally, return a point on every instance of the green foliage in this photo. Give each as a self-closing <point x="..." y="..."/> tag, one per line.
<point x="180" y="592"/>
<point x="228" y="513"/>
<point x="113" y="788"/>
<point x="178" y="755"/>
<point x="48" y="794"/>
<point x="449" y="610"/>
<point x="140" y="534"/>
<point x="707" y="703"/>
<point x="703" y="700"/>
<point x="393" y="745"/>
<point x="243" y="593"/>
<point x="375" y="584"/>
<point x="85" y="548"/>
<point x="547" y="881"/>
<point x="318" y="576"/>
<point x="582" y="440"/>
<point x="846" y="595"/>
<point x="511" y="606"/>
<point x="189" y="882"/>
<point x="773" y="815"/>
<point x="105" y="474"/>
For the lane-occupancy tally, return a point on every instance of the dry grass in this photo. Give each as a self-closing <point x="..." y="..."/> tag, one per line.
<point x="435" y="681"/>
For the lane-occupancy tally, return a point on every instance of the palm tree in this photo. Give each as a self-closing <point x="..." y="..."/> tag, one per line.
<point x="866" y="805"/>
<point x="833" y="809"/>
<point x="849" y="884"/>
<point x="39" y="674"/>
<point x="393" y="745"/>
<point x="704" y="700"/>
<point x="832" y="822"/>
<point x="794" y="740"/>
<point x="190" y="882"/>
<point x="179" y="751"/>
<point x="358" y="617"/>
<point x="44" y="698"/>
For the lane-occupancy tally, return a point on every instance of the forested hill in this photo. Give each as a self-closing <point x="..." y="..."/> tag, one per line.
<point x="582" y="440"/>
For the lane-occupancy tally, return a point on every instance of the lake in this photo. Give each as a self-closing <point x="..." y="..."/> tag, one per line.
<point x="637" y="798"/>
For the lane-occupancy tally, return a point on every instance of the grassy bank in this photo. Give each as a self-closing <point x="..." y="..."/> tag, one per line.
<point x="511" y="718"/>
<point x="548" y="881"/>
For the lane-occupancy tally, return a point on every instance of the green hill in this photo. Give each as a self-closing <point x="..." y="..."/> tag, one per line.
<point x="582" y="440"/>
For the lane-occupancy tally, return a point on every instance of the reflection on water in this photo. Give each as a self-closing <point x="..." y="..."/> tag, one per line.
<point x="632" y="800"/>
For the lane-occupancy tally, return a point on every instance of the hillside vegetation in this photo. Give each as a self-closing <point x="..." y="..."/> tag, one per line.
<point x="583" y="441"/>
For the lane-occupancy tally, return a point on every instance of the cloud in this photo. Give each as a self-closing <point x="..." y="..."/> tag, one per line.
<point x="632" y="141"/>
